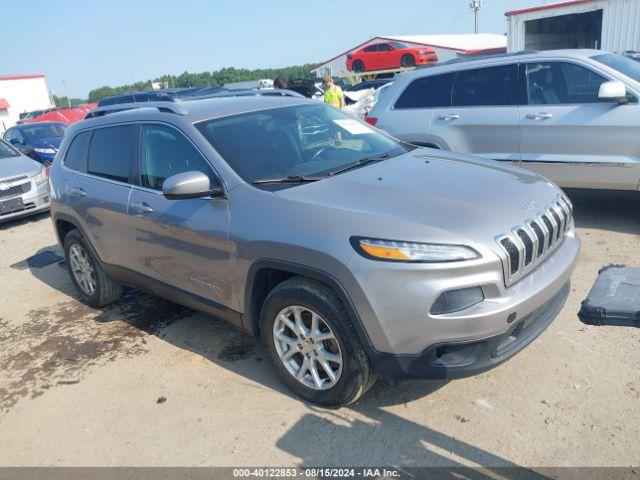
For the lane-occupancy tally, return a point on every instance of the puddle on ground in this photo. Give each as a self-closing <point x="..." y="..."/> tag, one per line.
<point x="241" y="350"/>
<point x="56" y="345"/>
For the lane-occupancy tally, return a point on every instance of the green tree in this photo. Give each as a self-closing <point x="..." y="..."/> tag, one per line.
<point x="63" y="102"/>
<point x="216" y="78"/>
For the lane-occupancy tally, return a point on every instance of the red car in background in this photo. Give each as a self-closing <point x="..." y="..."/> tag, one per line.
<point x="383" y="56"/>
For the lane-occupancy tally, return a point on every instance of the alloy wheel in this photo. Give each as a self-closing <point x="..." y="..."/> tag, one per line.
<point x="307" y="347"/>
<point x="82" y="269"/>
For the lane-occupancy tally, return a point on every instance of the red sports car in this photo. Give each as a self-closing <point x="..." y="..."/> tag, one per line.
<point x="383" y="56"/>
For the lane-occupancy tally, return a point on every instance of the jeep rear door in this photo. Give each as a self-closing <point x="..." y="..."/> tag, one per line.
<point x="483" y="114"/>
<point x="181" y="243"/>
<point x="99" y="191"/>
<point x="569" y="135"/>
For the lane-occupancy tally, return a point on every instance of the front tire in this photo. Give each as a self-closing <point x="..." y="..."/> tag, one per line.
<point x="312" y="345"/>
<point x="408" y="61"/>
<point x="95" y="287"/>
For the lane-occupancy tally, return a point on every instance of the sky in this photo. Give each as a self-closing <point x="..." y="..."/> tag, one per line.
<point x="82" y="45"/>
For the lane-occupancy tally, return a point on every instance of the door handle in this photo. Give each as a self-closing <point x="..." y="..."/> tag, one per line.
<point x="449" y="116"/>
<point x="78" y="192"/>
<point x="540" y="116"/>
<point x="141" y="208"/>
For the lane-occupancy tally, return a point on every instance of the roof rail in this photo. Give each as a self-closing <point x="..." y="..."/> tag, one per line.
<point x="166" y="107"/>
<point x="485" y="56"/>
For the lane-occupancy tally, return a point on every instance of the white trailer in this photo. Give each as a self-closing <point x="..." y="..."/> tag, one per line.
<point x="612" y="25"/>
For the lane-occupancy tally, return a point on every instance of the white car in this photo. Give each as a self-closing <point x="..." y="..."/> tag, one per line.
<point x="364" y="101"/>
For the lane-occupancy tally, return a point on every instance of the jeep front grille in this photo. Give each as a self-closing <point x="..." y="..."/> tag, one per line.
<point x="527" y="245"/>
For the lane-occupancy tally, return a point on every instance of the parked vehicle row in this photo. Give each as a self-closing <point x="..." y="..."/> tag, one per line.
<point x="570" y="115"/>
<point x="351" y="254"/>
<point x="185" y="94"/>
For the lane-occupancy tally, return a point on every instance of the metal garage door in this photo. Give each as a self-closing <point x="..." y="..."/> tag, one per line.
<point x="578" y="30"/>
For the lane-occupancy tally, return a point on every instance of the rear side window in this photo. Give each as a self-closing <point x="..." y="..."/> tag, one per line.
<point x="427" y="92"/>
<point x="111" y="152"/>
<point x="494" y="86"/>
<point x="76" y="157"/>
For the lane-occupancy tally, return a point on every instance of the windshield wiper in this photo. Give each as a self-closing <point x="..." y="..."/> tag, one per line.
<point x="289" y="179"/>
<point x="360" y="163"/>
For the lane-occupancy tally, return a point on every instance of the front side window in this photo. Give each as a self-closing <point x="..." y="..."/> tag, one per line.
<point x="76" y="157"/>
<point x="165" y="152"/>
<point x="111" y="152"/>
<point x="427" y="92"/>
<point x="384" y="48"/>
<point x="13" y="133"/>
<point x="301" y="140"/>
<point x="6" y="151"/>
<point x="493" y="86"/>
<point x="558" y="83"/>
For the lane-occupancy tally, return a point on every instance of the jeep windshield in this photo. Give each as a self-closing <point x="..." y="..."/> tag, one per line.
<point x="296" y="144"/>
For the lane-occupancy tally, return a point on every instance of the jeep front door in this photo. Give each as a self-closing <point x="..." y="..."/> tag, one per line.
<point x="184" y="243"/>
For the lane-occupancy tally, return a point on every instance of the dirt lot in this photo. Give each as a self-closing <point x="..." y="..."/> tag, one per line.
<point x="147" y="382"/>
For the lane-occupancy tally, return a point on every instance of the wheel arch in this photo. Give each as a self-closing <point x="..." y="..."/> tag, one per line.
<point x="63" y="225"/>
<point x="265" y="274"/>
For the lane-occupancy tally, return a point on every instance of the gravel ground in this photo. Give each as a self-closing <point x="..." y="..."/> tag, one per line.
<point x="149" y="383"/>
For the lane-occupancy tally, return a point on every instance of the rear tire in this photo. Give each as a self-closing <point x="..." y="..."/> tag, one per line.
<point x="94" y="286"/>
<point x="290" y="349"/>
<point x="408" y="61"/>
<point x="358" y="66"/>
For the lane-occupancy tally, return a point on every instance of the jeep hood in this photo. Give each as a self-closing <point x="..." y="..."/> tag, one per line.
<point x="454" y="197"/>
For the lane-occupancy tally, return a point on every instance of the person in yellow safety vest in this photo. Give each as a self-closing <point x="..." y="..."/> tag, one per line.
<point x="333" y="94"/>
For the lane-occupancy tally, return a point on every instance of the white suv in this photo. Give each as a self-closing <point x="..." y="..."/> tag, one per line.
<point x="570" y="115"/>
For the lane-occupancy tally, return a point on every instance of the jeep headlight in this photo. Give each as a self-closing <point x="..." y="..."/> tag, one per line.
<point x="41" y="177"/>
<point x="397" y="251"/>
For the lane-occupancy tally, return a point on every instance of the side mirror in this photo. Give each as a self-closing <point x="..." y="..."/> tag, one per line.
<point x="16" y="142"/>
<point x="192" y="184"/>
<point x="613" y="91"/>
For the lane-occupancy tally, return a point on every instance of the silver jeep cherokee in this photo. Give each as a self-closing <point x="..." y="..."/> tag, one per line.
<point x="351" y="254"/>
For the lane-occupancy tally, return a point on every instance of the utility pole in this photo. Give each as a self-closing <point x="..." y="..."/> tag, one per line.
<point x="66" y="93"/>
<point x="476" y="5"/>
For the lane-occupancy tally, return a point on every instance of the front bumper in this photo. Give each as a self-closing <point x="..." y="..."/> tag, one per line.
<point x="34" y="201"/>
<point x="424" y="60"/>
<point x="463" y="359"/>
<point x="405" y="340"/>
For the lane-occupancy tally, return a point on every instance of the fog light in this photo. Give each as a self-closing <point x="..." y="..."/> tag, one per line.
<point x="456" y="300"/>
